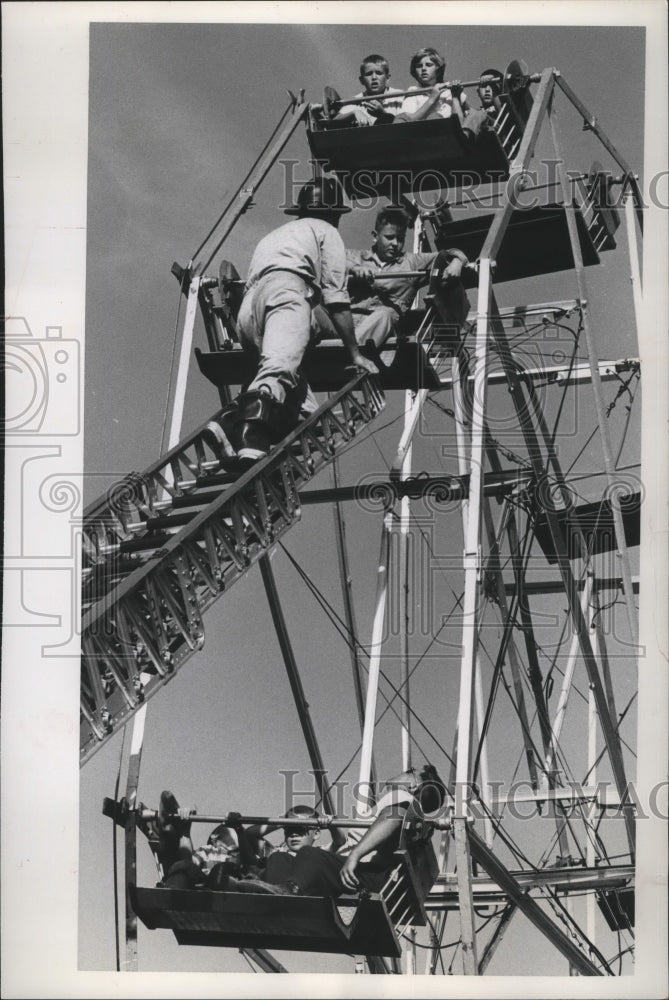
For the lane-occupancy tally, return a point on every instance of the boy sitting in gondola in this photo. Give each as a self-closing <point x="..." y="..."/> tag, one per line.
<point x="374" y="75"/>
<point x="377" y="306"/>
<point x="477" y="120"/>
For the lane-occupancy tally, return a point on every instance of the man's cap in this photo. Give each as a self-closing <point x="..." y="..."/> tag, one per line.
<point x="320" y="196"/>
<point x="491" y="76"/>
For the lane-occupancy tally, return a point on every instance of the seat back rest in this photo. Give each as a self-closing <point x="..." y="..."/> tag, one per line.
<point x="411" y="878"/>
<point x="511" y="120"/>
<point x="414" y="871"/>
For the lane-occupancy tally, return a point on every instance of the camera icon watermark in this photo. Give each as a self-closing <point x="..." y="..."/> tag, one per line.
<point x="42" y="381"/>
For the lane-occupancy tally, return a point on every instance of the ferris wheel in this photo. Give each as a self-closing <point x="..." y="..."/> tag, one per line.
<point x="503" y="637"/>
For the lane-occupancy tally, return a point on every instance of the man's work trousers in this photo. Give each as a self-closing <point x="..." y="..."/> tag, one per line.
<point x="277" y="321"/>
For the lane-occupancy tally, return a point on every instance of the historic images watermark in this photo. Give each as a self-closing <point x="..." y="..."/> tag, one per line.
<point x="429" y="189"/>
<point x="43" y="383"/>
<point x="517" y="799"/>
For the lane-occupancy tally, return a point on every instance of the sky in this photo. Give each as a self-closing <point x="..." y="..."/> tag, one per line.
<point x="177" y="113"/>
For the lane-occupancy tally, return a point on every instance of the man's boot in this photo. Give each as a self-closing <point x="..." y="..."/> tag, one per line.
<point x="224" y="434"/>
<point x="261" y="423"/>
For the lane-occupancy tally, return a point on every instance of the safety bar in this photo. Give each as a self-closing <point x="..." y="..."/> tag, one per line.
<point x="531" y="78"/>
<point x="323" y="822"/>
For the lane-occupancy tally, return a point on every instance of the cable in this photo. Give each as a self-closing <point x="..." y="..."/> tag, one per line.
<point x="602" y="472"/>
<point x="627" y="420"/>
<point x="340" y="626"/>
<point x="563" y="914"/>
<point x="563" y="397"/>
<point x="364" y="437"/>
<point x="450" y="968"/>
<point x="616" y="728"/>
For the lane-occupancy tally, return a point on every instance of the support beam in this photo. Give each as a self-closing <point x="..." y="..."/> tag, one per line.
<point x="462" y="405"/>
<point x="177" y="388"/>
<point x="405" y="536"/>
<point x="347" y="598"/>
<point x="509" y="910"/>
<point x="534" y="587"/>
<point x="375" y="651"/>
<point x="472" y="547"/>
<point x="633" y="250"/>
<point x="567" y="679"/>
<point x="470" y="612"/>
<point x="493" y="240"/>
<point x="602" y="423"/>
<point x="410" y="424"/>
<point x="295" y="681"/>
<point x="136" y="745"/>
<point x="465" y="897"/>
<point x="594" y="126"/>
<point x="443" y="489"/>
<point x="263" y="959"/>
<point x="562" y="375"/>
<point x="443" y="895"/>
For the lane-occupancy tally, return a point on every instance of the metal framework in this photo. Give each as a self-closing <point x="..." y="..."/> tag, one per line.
<point x="165" y="545"/>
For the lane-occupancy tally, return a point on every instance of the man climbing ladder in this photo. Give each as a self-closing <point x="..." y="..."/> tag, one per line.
<point x="295" y="292"/>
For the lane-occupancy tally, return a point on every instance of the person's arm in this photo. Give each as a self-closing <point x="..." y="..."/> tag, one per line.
<point x="364" y="272"/>
<point x="342" y="321"/>
<point x="250" y="839"/>
<point x="255" y="834"/>
<point x="452" y="262"/>
<point x="426" y="107"/>
<point x="459" y="104"/>
<point x="457" y="261"/>
<point x="336" y="299"/>
<point x="355" y="113"/>
<point x="387" y="825"/>
<point x="357" y="267"/>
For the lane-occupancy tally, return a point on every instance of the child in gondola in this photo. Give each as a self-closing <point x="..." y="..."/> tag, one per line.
<point x="427" y="68"/>
<point x="377" y="307"/>
<point x="374" y="76"/>
<point x="228" y="851"/>
<point x="477" y="120"/>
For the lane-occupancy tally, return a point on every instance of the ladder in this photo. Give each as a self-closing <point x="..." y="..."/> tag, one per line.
<point x="159" y="548"/>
